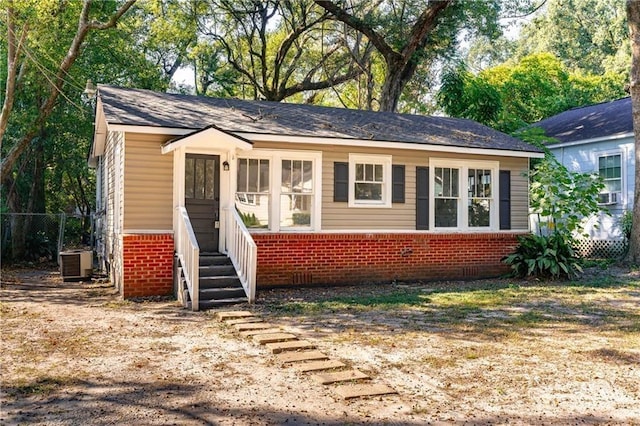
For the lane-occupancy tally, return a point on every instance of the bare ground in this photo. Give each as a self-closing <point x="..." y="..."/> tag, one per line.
<point x="73" y="353"/>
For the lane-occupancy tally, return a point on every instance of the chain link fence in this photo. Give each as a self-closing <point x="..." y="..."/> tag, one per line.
<point x="40" y="237"/>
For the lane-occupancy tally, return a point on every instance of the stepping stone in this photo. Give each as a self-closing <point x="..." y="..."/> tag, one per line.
<point x="339" y="376"/>
<point x="250" y="333"/>
<point x="243" y="320"/>
<point x="263" y="339"/>
<point x="253" y="326"/>
<point x="292" y="345"/>
<point x="298" y="356"/>
<point x="222" y="316"/>
<point x="319" y="365"/>
<point x="357" y="391"/>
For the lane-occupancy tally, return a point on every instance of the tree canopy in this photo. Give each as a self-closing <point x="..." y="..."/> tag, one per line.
<point x="382" y="55"/>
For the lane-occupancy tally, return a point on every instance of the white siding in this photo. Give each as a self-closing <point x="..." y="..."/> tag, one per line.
<point x="583" y="158"/>
<point x="112" y="181"/>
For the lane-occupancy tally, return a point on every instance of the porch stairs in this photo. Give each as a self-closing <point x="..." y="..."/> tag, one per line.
<point x="219" y="282"/>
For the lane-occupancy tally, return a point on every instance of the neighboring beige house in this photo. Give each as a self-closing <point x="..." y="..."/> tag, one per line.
<point x="211" y="198"/>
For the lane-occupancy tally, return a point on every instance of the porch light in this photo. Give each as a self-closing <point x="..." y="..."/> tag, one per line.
<point x="225" y="166"/>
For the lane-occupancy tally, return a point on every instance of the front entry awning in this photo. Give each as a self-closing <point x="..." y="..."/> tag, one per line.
<point x="206" y="137"/>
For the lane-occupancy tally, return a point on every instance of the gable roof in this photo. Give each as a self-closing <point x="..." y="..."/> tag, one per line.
<point x="590" y="122"/>
<point x="136" y="107"/>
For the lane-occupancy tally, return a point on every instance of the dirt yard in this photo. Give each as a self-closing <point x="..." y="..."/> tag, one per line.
<point x="486" y="352"/>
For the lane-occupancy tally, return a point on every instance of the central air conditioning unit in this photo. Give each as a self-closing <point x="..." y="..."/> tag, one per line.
<point x="76" y="264"/>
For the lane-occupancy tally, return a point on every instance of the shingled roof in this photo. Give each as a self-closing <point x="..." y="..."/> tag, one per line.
<point x="135" y="107"/>
<point x="590" y="122"/>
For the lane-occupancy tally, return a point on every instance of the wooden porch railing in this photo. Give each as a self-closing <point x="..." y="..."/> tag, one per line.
<point x="189" y="256"/>
<point x="242" y="251"/>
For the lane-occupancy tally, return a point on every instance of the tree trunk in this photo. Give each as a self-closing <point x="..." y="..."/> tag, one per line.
<point x="401" y="64"/>
<point x="56" y="86"/>
<point x="633" y="17"/>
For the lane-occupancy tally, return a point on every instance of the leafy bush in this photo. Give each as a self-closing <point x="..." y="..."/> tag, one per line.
<point x="547" y="256"/>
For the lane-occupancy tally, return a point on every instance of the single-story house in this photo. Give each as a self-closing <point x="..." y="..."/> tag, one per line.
<point x="599" y="139"/>
<point x="197" y="194"/>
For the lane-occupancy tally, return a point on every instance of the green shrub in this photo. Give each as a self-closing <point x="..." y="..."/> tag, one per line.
<point x="548" y="256"/>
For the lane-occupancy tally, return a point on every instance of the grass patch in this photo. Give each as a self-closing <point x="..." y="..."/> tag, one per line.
<point x="41" y="386"/>
<point x="609" y="303"/>
<point x="360" y="303"/>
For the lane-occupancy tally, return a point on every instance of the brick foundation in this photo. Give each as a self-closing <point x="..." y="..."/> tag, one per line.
<point x="147" y="265"/>
<point x="290" y="259"/>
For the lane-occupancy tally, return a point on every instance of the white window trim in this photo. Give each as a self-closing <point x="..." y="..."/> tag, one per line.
<point x="275" y="158"/>
<point x="385" y="160"/>
<point x="463" y="214"/>
<point x="623" y="172"/>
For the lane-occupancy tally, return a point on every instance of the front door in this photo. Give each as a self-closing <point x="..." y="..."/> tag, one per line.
<point x="202" y="198"/>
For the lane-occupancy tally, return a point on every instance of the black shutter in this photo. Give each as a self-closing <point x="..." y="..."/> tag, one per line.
<point x="422" y="198"/>
<point x="340" y="182"/>
<point x="505" y="199"/>
<point x="397" y="186"/>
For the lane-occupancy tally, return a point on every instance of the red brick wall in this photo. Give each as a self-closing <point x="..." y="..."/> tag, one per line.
<point x="147" y="265"/>
<point x="356" y="258"/>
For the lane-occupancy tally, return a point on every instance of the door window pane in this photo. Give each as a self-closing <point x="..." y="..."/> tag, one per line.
<point x="209" y="179"/>
<point x="189" y="178"/>
<point x="199" y="186"/>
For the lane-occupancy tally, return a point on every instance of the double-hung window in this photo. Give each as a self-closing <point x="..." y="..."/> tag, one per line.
<point x="464" y="194"/>
<point x="479" y="186"/>
<point x="296" y="195"/>
<point x="369" y="180"/>
<point x="253" y="193"/>
<point x="610" y="170"/>
<point x="279" y="190"/>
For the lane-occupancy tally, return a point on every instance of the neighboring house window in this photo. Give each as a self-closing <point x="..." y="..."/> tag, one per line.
<point x="280" y="192"/>
<point x="460" y="203"/>
<point x="252" y="196"/>
<point x="610" y="169"/>
<point x="369" y="180"/>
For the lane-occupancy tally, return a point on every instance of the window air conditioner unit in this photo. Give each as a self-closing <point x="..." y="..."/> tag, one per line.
<point x="76" y="264"/>
<point x="608" y="198"/>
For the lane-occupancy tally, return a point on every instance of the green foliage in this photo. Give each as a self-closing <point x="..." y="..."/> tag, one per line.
<point x="514" y="94"/>
<point x="626" y="223"/>
<point x="590" y="36"/>
<point x="544" y="256"/>
<point x="464" y="95"/>
<point x="562" y="199"/>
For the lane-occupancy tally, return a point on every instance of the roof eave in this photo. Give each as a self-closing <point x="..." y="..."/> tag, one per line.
<point x="591" y="140"/>
<point x="260" y="137"/>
